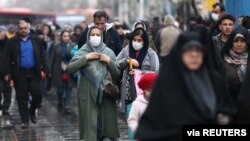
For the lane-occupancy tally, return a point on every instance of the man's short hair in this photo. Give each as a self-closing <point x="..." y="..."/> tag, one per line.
<point x="222" y="7"/>
<point x="226" y="16"/>
<point x="100" y="14"/>
<point x="27" y="20"/>
<point x="24" y="20"/>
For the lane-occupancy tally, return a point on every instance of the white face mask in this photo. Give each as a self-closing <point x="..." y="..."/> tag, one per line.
<point x="95" y="40"/>
<point x="215" y="16"/>
<point x="137" y="46"/>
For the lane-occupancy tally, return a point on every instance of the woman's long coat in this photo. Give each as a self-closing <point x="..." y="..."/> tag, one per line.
<point x="88" y="109"/>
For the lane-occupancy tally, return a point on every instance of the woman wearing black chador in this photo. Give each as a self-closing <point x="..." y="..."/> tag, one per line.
<point x="187" y="91"/>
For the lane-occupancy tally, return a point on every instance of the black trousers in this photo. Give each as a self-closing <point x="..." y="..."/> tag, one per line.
<point x="28" y="84"/>
<point x="5" y="94"/>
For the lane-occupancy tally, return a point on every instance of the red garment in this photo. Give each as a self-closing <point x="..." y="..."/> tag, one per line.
<point x="147" y="80"/>
<point x="137" y="53"/>
<point x="65" y="76"/>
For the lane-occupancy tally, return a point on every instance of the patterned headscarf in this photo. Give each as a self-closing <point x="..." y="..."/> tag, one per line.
<point x="240" y="60"/>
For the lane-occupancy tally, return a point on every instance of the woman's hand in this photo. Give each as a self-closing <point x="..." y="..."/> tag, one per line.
<point x="93" y="56"/>
<point x="133" y="71"/>
<point x="134" y="63"/>
<point x="7" y="77"/>
<point x="64" y="66"/>
<point x="105" y="58"/>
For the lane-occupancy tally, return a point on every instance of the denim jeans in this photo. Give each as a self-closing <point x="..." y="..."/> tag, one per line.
<point x="130" y="132"/>
<point x="64" y="96"/>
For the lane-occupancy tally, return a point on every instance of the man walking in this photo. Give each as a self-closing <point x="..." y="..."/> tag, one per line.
<point x="226" y="25"/>
<point x="26" y="59"/>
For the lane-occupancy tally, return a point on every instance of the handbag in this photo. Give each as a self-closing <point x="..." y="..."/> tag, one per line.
<point x="111" y="91"/>
<point x="130" y="89"/>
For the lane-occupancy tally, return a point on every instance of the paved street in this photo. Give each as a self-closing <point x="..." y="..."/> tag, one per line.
<point x="52" y="125"/>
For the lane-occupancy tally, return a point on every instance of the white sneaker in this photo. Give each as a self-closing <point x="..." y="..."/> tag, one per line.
<point x="1" y="113"/>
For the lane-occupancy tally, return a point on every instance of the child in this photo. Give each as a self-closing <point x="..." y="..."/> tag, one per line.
<point x="139" y="105"/>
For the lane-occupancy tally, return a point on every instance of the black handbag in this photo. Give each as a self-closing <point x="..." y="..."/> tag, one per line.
<point x="111" y="91"/>
<point x="130" y="89"/>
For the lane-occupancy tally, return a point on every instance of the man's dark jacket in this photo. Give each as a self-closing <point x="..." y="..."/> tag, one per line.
<point x="3" y="57"/>
<point x="13" y="56"/>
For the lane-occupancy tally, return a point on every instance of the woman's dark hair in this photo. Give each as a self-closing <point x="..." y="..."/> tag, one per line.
<point x="77" y="27"/>
<point x="141" y="32"/>
<point x="50" y="34"/>
<point x="64" y="31"/>
<point x="94" y="27"/>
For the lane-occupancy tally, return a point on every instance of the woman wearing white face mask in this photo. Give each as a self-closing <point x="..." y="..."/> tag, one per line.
<point x="97" y="111"/>
<point x="141" y="57"/>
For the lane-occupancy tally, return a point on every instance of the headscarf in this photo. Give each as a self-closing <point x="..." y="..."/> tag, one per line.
<point x="95" y="71"/>
<point x="216" y="63"/>
<point x="169" y="20"/>
<point x="230" y="41"/>
<point x="143" y="52"/>
<point x="239" y="60"/>
<point x="214" y="57"/>
<point x="136" y="23"/>
<point x="63" y="46"/>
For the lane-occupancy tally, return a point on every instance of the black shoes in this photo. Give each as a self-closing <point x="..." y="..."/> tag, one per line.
<point x="6" y="113"/>
<point x="33" y="118"/>
<point x="24" y="125"/>
<point x="67" y="111"/>
<point x="60" y="107"/>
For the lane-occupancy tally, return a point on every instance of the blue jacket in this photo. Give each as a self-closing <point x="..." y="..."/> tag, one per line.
<point x="74" y="50"/>
<point x="112" y="38"/>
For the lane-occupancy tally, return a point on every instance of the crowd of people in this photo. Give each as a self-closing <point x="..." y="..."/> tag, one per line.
<point x="160" y="75"/>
